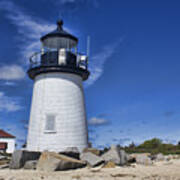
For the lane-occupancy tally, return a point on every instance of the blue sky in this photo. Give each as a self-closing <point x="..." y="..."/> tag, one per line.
<point x="133" y="92"/>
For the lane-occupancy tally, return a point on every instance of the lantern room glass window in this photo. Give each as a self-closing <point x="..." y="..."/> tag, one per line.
<point x="58" y="43"/>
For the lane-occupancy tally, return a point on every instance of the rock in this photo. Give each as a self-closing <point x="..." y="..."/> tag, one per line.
<point x="112" y="155"/>
<point x="175" y="156"/>
<point x="134" y="155"/>
<point x="92" y="150"/>
<point x="2" y="157"/>
<point x="119" y="157"/>
<point x="91" y="159"/>
<point x="124" y="157"/>
<point x="71" y="152"/>
<point x="153" y="157"/>
<point x="96" y="169"/>
<point x="30" y="164"/>
<point x="170" y="156"/>
<point x="20" y="157"/>
<point x="50" y="161"/>
<point x="159" y="157"/>
<point x="131" y="158"/>
<point x="143" y="159"/>
<point x="4" y="166"/>
<point x="109" y="164"/>
<point x="166" y="158"/>
<point x="5" y="161"/>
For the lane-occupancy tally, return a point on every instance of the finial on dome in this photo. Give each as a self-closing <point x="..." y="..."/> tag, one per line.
<point x="59" y="24"/>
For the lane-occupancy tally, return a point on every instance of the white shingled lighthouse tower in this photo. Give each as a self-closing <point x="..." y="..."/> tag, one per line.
<point x="58" y="116"/>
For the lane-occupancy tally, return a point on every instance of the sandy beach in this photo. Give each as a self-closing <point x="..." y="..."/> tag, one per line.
<point x="158" y="171"/>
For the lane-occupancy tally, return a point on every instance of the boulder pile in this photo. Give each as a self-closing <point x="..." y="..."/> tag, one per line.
<point x="71" y="158"/>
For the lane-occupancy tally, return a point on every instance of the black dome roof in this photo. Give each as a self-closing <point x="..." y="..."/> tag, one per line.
<point x="59" y="32"/>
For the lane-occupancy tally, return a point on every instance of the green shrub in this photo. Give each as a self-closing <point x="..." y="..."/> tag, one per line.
<point x="153" y="143"/>
<point x="153" y="146"/>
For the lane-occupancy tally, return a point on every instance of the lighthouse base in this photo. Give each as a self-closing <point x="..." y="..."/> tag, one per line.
<point x="58" y="117"/>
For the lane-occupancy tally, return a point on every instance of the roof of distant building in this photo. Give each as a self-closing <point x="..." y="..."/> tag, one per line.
<point x="4" y="134"/>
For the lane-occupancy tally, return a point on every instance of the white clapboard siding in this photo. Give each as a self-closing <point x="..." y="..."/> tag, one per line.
<point x="58" y="117"/>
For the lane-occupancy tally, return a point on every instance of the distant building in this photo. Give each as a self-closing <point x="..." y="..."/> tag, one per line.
<point x="7" y="142"/>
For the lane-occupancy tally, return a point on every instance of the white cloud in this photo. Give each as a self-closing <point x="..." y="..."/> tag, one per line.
<point x="9" y="83"/>
<point x="96" y="64"/>
<point x="11" y="72"/>
<point x="97" y="121"/>
<point x="8" y="104"/>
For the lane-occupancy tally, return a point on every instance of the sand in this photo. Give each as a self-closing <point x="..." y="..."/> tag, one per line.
<point x="159" y="171"/>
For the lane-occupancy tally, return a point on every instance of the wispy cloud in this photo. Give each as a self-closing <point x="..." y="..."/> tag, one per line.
<point x="11" y="72"/>
<point x="65" y="1"/>
<point x="97" y="62"/>
<point x="122" y="141"/>
<point x="29" y="28"/>
<point x="95" y="3"/>
<point x="9" y="83"/>
<point x="97" y="121"/>
<point x="8" y="104"/>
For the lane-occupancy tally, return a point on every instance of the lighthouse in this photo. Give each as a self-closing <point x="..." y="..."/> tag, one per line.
<point x="58" y="115"/>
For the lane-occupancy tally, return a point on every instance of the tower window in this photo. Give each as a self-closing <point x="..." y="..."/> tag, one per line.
<point x="50" y="123"/>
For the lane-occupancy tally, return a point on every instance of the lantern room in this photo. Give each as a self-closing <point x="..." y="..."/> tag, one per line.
<point x="59" y="54"/>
